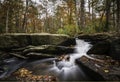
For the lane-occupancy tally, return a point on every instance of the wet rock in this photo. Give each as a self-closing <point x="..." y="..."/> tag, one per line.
<point x="115" y="49"/>
<point x="33" y="55"/>
<point x="10" y="60"/>
<point x="103" y="44"/>
<point x="100" y="48"/>
<point x="1" y="70"/>
<point x="86" y="67"/>
<point x="18" y="55"/>
<point x="63" y="57"/>
<point x="94" y="38"/>
<point x="99" y="69"/>
<point x="68" y="42"/>
<point x="109" y="47"/>
<point x="49" y="49"/>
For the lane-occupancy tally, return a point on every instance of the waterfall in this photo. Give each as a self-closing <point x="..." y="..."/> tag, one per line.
<point x="68" y="70"/>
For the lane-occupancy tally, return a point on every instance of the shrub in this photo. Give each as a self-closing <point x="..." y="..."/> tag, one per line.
<point x="67" y="29"/>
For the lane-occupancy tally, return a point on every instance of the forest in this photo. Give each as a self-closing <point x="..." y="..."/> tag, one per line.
<point x="59" y="40"/>
<point x="59" y="16"/>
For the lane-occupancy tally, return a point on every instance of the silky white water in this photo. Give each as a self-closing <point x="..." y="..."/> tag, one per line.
<point x="65" y="70"/>
<point x="68" y="70"/>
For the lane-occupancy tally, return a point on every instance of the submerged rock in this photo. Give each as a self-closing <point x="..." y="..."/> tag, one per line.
<point x="9" y="66"/>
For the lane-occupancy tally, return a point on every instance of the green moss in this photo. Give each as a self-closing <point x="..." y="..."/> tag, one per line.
<point x="21" y="39"/>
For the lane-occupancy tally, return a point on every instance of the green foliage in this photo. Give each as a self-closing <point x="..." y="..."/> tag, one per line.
<point x="88" y="29"/>
<point x="94" y="27"/>
<point x="99" y="27"/>
<point x="35" y="17"/>
<point x="68" y="29"/>
<point x="2" y="28"/>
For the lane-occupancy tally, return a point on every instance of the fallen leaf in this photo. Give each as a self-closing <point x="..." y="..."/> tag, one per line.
<point x="106" y="71"/>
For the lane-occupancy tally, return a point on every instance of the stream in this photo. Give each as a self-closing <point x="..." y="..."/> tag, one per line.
<point x="68" y="70"/>
<point x="64" y="70"/>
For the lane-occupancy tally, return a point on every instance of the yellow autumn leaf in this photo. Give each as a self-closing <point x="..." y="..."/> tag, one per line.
<point x="106" y="71"/>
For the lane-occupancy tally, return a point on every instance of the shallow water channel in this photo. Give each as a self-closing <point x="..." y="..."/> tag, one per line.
<point x="63" y="70"/>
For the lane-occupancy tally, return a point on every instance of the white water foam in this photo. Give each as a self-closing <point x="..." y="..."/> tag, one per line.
<point x="65" y="68"/>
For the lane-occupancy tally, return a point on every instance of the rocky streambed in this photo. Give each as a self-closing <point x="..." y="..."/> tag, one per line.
<point x="30" y="55"/>
<point x="104" y="57"/>
<point x="18" y="51"/>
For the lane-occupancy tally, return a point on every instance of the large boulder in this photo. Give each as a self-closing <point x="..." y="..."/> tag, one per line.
<point x="103" y="44"/>
<point x="115" y="49"/>
<point x="100" y="68"/>
<point x="17" y="40"/>
<point x="94" y="38"/>
<point x="100" y="48"/>
<point x="88" y="68"/>
<point x="100" y="41"/>
<point x="68" y="42"/>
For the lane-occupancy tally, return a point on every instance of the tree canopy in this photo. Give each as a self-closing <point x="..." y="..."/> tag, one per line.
<point x="59" y="16"/>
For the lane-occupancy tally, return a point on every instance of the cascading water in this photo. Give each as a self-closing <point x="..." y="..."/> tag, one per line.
<point x="68" y="70"/>
<point x="65" y="70"/>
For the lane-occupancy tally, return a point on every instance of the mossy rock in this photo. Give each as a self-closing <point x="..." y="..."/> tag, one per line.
<point x="17" y="40"/>
<point x="49" y="49"/>
<point x="95" y="38"/>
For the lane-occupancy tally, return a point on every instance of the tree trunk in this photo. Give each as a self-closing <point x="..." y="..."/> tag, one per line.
<point x="108" y="4"/>
<point x="118" y="16"/>
<point x="17" y="23"/>
<point x="7" y="20"/>
<point x="76" y="14"/>
<point x="70" y="16"/>
<point x="25" y="17"/>
<point x="92" y="11"/>
<point x="82" y="14"/>
<point x="89" y="9"/>
<point x="0" y="2"/>
<point x="114" y="15"/>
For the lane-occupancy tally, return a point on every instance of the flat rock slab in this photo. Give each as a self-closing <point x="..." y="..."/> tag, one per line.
<point x="95" y="38"/>
<point x="17" y="40"/>
<point x="50" y="49"/>
<point x="109" y="69"/>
